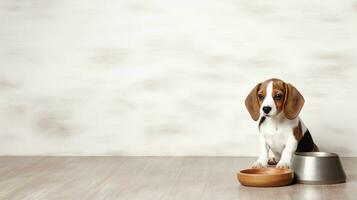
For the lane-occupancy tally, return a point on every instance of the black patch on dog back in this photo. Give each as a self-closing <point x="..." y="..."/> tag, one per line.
<point x="262" y="119"/>
<point x="306" y="143"/>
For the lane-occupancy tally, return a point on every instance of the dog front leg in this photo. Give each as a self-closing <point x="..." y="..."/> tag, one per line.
<point x="288" y="152"/>
<point x="262" y="161"/>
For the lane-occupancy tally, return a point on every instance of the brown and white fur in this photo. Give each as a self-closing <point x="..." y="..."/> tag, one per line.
<point x="276" y="105"/>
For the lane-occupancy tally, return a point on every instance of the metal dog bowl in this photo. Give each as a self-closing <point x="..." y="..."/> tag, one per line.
<point x="318" y="168"/>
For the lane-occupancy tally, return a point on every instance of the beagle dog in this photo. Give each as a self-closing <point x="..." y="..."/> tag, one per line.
<point x="276" y="105"/>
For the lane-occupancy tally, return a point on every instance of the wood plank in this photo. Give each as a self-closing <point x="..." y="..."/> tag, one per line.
<point x="59" y="178"/>
<point x="191" y="180"/>
<point x="149" y="178"/>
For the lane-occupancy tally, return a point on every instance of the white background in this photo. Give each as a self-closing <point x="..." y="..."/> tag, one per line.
<point x="159" y="77"/>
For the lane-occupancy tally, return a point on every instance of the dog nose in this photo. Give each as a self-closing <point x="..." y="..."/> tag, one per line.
<point x="266" y="109"/>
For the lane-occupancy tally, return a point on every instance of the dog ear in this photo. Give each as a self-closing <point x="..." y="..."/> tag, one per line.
<point x="252" y="103"/>
<point x="293" y="102"/>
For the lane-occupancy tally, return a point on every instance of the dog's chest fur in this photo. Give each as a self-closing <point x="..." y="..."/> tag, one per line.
<point x="277" y="132"/>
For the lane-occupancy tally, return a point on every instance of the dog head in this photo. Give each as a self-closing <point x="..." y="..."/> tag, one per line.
<point x="272" y="97"/>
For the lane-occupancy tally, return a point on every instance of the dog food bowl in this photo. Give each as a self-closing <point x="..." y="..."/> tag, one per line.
<point x="265" y="177"/>
<point x="318" y="168"/>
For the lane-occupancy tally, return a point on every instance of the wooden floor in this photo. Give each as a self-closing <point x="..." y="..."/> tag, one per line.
<point x="148" y="178"/>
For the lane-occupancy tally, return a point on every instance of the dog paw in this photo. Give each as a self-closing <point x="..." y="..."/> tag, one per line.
<point x="272" y="161"/>
<point x="260" y="163"/>
<point x="283" y="164"/>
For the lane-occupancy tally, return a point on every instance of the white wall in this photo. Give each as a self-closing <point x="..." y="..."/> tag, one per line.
<point x="160" y="77"/>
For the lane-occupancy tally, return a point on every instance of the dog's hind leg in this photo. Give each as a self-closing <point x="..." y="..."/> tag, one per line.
<point x="273" y="159"/>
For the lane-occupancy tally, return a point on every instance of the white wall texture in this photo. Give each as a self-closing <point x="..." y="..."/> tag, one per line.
<point x="160" y="77"/>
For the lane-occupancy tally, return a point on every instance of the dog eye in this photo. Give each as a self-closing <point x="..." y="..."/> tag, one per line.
<point x="261" y="97"/>
<point x="278" y="97"/>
